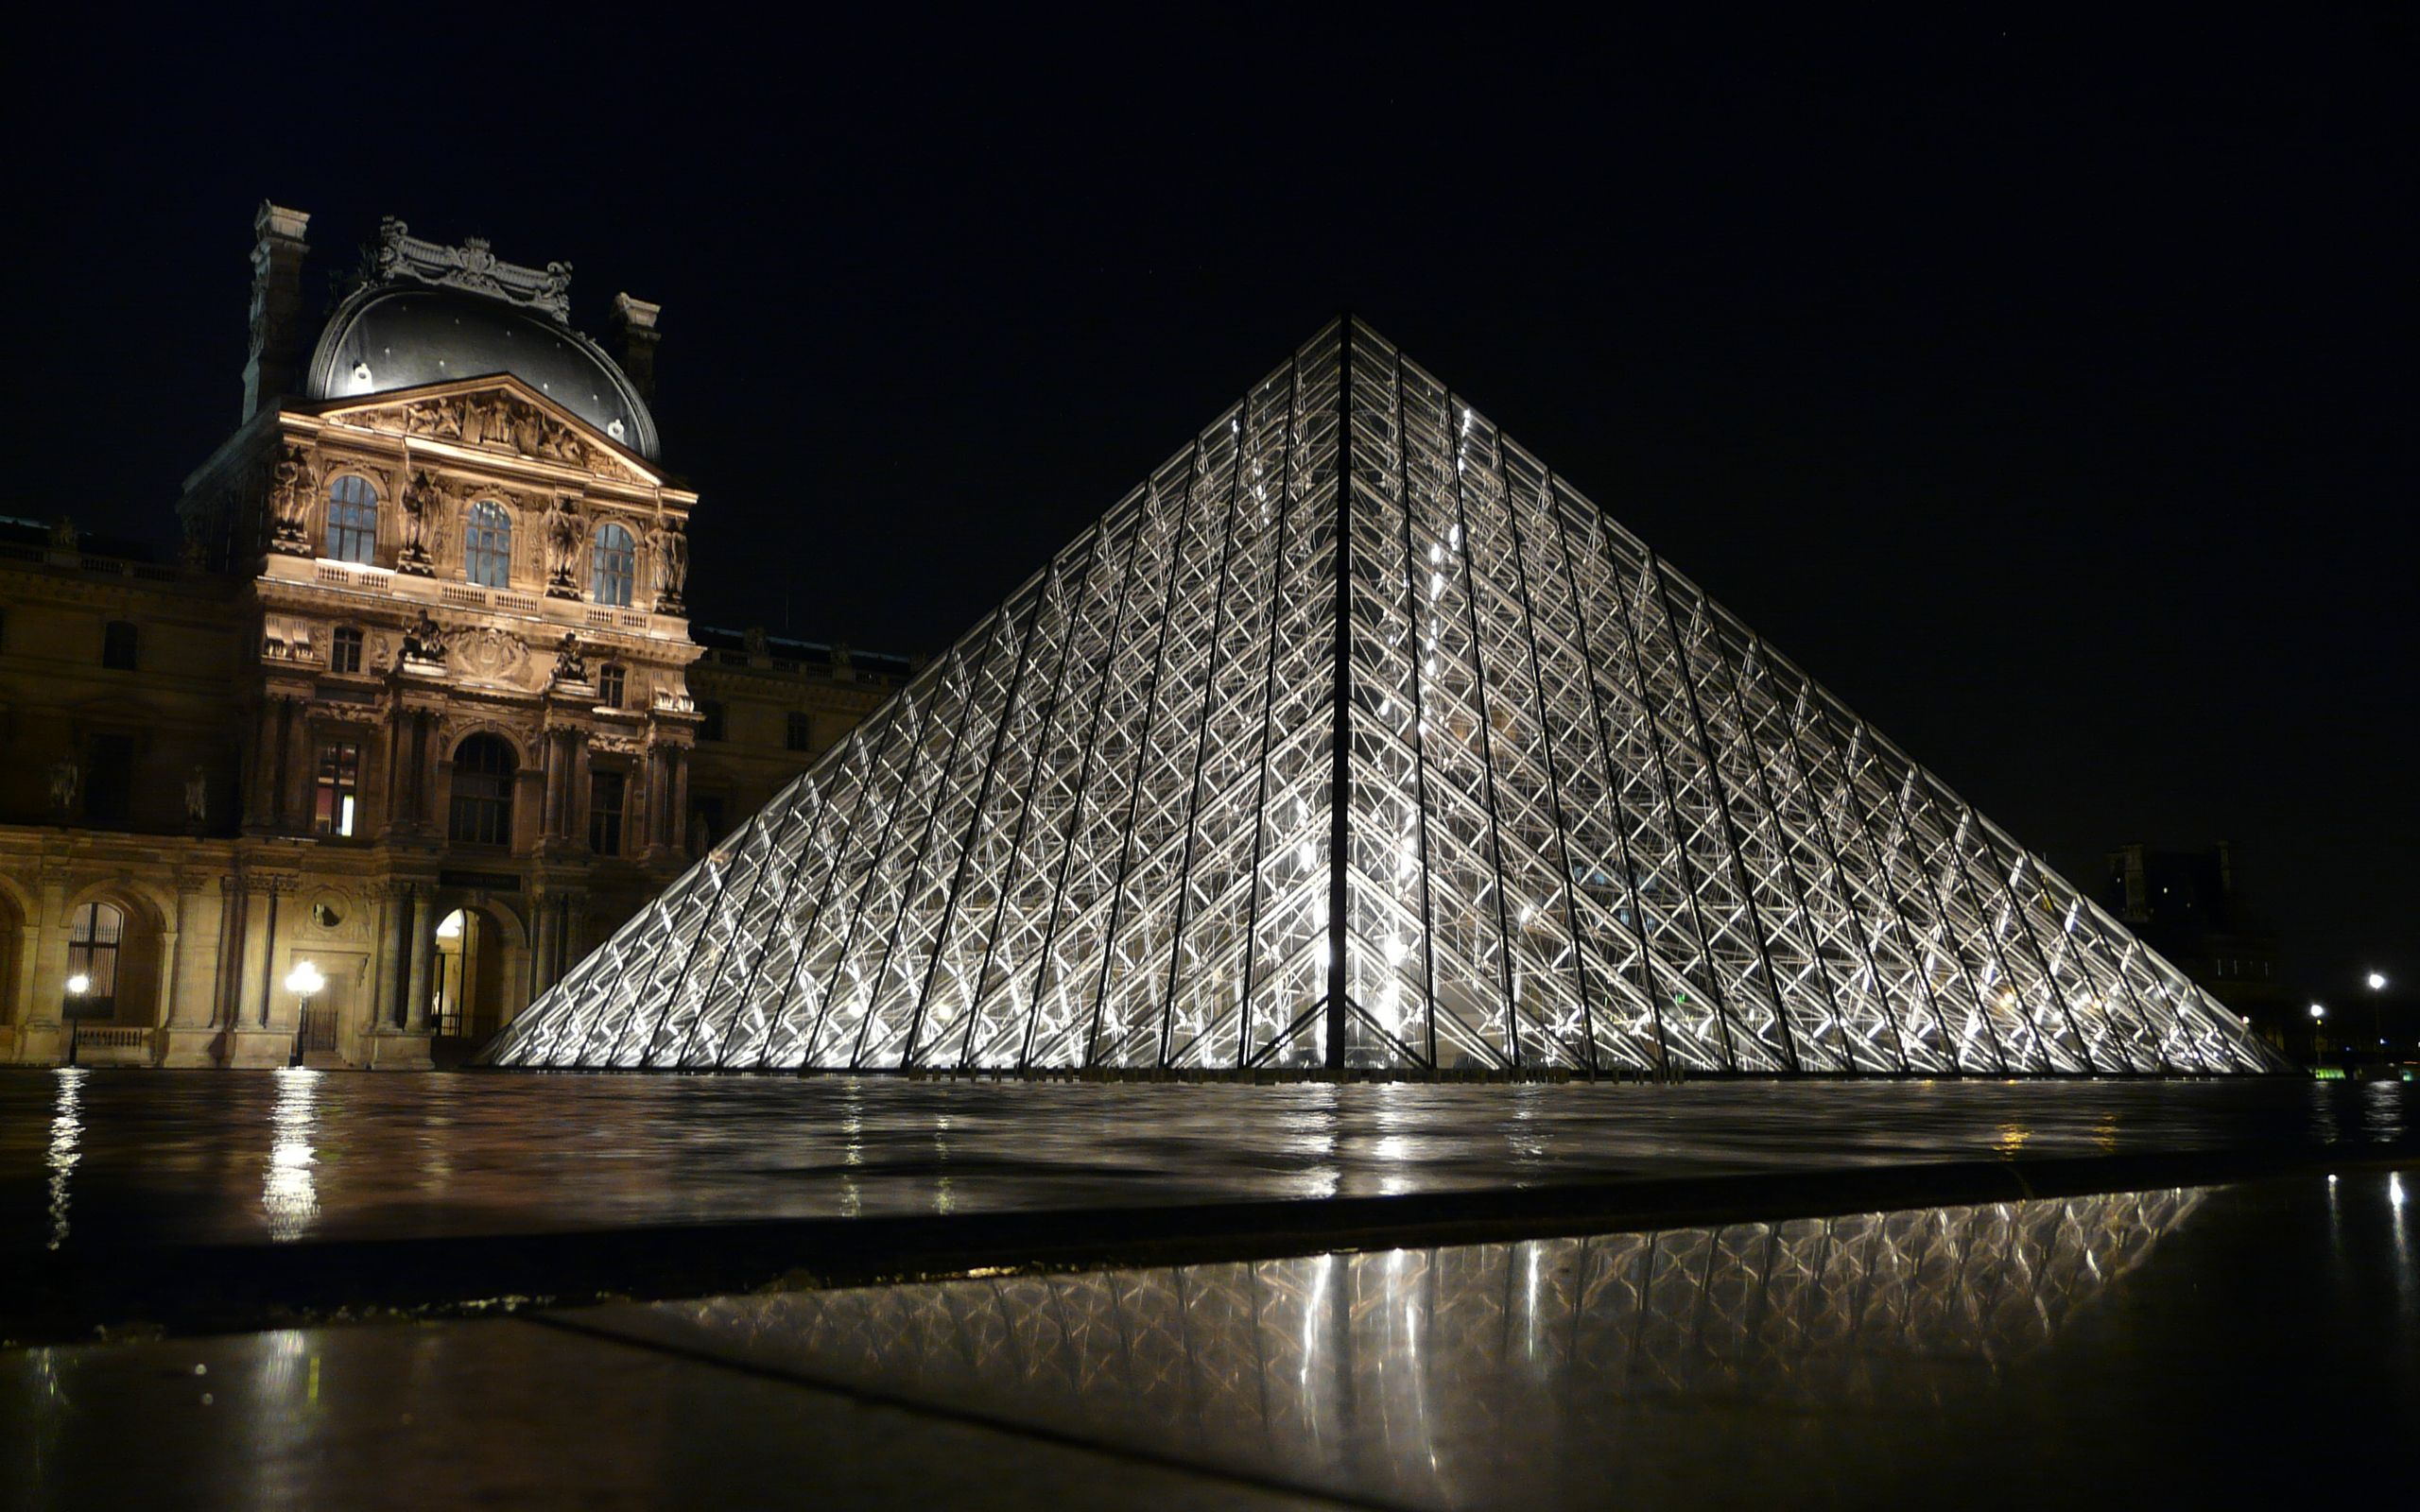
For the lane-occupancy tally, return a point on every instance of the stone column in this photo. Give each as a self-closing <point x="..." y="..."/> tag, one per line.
<point x="191" y="1015"/>
<point x="226" y="992"/>
<point x="424" y="944"/>
<point x="253" y="1041"/>
<point x="41" y="1035"/>
<point x="428" y="771"/>
<point x="302" y="767"/>
<point x="576" y="821"/>
<point x="679" y="814"/>
<point x="541" y="941"/>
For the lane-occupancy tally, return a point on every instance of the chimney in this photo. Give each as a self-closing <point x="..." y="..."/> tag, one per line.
<point x="635" y="318"/>
<point x="277" y="305"/>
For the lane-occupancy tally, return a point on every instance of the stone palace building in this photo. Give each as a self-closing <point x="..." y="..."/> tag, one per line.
<point x="417" y="717"/>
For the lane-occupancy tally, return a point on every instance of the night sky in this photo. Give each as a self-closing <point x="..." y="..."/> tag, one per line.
<point x="2047" y="395"/>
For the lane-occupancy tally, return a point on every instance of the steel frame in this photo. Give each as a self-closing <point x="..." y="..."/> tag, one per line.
<point x="1357" y="741"/>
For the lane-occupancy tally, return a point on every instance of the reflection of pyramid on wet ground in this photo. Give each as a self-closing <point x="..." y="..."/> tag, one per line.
<point x="1443" y="770"/>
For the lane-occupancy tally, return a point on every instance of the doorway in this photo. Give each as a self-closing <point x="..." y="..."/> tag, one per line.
<point x="467" y="998"/>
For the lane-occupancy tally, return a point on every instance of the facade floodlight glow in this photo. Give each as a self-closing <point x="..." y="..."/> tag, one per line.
<point x="1358" y="739"/>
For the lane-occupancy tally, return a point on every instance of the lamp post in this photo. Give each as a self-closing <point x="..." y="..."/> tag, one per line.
<point x="78" y="986"/>
<point x="2376" y="980"/>
<point x="2318" y="1021"/>
<point x="303" y="981"/>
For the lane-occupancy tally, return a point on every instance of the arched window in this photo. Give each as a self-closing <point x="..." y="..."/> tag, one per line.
<point x="482" y="809"/>
<point x="92" y="938"/>
<point x="617" y="566"/>
<point x="352" y="519"/>
<point x="486" y="544"/>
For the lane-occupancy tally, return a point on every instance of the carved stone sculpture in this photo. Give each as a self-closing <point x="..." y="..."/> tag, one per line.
<point x="421" y="501"/>
<point x="198" y="796"/>
<point x="424" y="641"/>
<point x="292" y="485"/>
<point x="66" y="781"/>
<point x="669" y="546"/>
<point x="570" y="666"/>
<point x="564" y="531"/>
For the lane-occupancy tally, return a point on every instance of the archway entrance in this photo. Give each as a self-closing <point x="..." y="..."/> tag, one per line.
<point x="467" y="998"/>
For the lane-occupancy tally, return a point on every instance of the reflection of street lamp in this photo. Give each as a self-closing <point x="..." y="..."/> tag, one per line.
<point x="302" y="982"/>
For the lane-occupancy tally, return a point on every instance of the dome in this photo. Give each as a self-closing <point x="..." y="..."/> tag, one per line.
<point x="403" y="337"/>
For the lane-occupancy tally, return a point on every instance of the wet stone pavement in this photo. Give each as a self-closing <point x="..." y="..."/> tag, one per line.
<point x="94" y="1163"/>
<point x="2229" y="1345"/>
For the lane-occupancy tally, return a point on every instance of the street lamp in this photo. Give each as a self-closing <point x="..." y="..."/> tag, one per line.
<point x="303" y="981"/>
<point x="78" y="986"/>
<point x="2377" y="1008"/>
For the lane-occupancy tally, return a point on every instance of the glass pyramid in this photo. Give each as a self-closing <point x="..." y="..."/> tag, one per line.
<point x="1356" y="739"/>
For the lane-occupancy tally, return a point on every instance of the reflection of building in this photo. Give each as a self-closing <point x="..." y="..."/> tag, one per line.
<point x="415" y="703"/>
<point x="2184" y="904"/>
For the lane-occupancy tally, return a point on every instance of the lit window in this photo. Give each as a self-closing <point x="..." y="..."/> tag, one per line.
<point x="617" y="559"/>
<point x="118" y="641"/>
<point x="353" y="520"/>
<point x="486" y="544"/>
<point x="344" y="649"/>
<point x="611" y="682"/>
<point x="93" y="940"/>
<point x="481" y="812"/>
<point x="607" y="792"/>
<point x="340" y="783"/>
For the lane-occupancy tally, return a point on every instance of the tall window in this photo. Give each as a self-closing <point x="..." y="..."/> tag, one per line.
<point x="340" y="783"/>
<point x="607" y="792"/>
<point x="344" y="649"/>
<point x="352" y="519"/>
<point x="93" y="937"/>
<point x="613" y="681"/>
<point x="800" y="733"/>
<point x="118" y="641"/>
<point x="486" y="544"/>
<point x="482" y="809"/>
<point x="617" y="566"/>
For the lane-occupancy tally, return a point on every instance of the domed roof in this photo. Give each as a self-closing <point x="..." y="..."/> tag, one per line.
<point x="402" y="336"/>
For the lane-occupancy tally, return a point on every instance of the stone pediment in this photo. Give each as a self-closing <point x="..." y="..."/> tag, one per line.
<point x="498" y="414"/>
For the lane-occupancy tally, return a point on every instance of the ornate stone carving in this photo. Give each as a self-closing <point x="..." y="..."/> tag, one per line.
<point x="564" y="532"/>
<point x="424" y="506"/>
<point x="486" y="653"/>
<point x="668" y="547"/>
<point x="497" y="421"/>
<point x="293" y="484"/>
<point x="424" y="641"/>
<point x="66" y="781"/>
<point x="472" y="266"/>
<point x="198" y="796"/>
<point x="570" y="666"/>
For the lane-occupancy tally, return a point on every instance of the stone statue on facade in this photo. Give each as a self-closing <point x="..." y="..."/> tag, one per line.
<point x="563" y="530"/>
<point x="424" y="641"/>
<point x="292" y="484"/>
<point x="63" y="533"/>
<point x="421" y="501"/>
<point x="198" y="797"/>
<point x="670" y="549"/>
<point x="66" y="781"/>
<point x="570" y="666"/>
